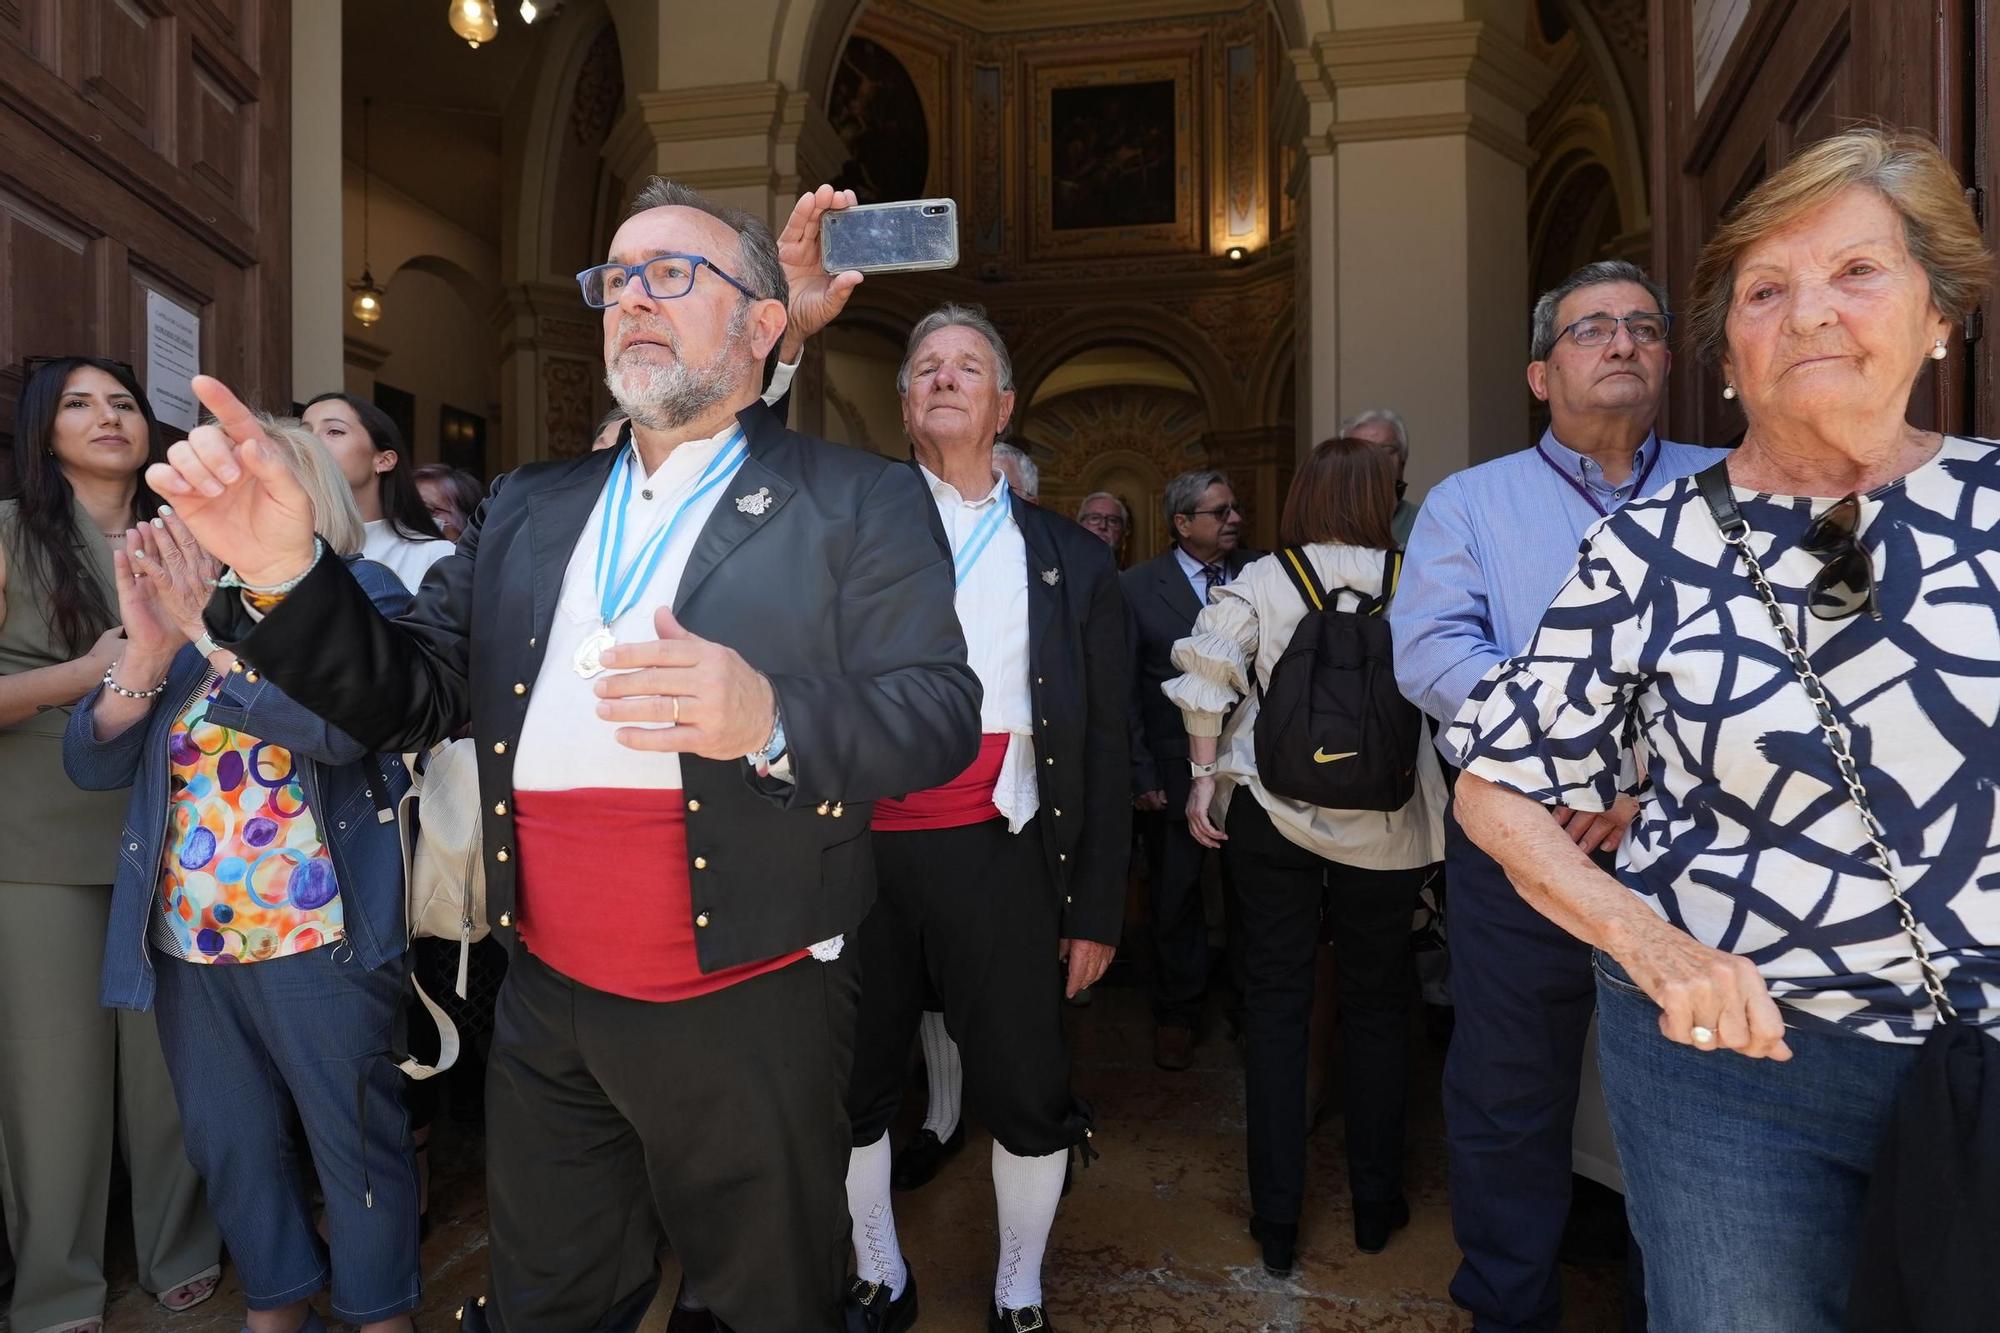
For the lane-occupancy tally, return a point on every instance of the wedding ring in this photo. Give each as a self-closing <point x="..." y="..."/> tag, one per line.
<point x="677" y="709"/>
<point x="1702" y="1036"/>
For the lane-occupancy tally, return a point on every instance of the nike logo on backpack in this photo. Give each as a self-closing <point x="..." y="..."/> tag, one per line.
<point x="1322" y="757"/>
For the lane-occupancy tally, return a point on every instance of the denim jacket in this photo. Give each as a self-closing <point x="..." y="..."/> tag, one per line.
<point x="345" y="787"/>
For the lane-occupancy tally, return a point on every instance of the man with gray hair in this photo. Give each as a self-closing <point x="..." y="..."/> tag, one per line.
<point x="1105" y="517"/>
<point x="1165" y="595"/>
<point x="1491" y="547"/>
<point x="1020" y="470"/>
<point x="984" y="880"/>
<point x="1383" y="426"/>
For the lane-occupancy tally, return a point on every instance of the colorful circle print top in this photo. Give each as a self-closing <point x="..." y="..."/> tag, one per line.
<point x="246" y="876"/>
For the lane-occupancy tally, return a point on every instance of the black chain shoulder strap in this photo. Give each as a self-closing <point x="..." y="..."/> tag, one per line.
<point x="1714" y="484"/>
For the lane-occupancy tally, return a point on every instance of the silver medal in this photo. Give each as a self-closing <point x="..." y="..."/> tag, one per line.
<point x="589" y="657"/>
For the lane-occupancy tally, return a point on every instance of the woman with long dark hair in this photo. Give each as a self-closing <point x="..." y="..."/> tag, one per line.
<point x="372" y="456"/>
<point x="73" y="1076"/>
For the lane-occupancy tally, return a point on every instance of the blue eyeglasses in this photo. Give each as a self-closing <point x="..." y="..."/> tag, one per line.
<point x="665" y="278"/>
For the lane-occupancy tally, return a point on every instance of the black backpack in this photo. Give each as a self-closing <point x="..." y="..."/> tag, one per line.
<point x="1333" y="730"/>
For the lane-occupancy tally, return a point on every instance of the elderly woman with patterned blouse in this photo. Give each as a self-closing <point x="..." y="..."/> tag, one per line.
<point x="1759" y="1000"/>
<point x="259" y="901"/>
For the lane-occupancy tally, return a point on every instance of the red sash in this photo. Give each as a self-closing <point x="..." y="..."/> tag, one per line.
<point x="604" y="894"/>
<point x="966" y="799"/>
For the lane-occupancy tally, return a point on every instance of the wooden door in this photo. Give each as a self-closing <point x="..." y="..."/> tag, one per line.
<point x="1796" y="71"/>
<point x="145" y="146"/>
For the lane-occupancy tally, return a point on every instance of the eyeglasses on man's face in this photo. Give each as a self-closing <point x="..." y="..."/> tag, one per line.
<point x="1219" y="513"/>
<point x="1103" y="522"/>
<point x="666" y="277"/>
<point x="1647" y="329"/>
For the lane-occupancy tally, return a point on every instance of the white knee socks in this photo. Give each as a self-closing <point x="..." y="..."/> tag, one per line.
<point x="877" y="1256"/>
<point x="945" y="1075"/>
<point x="1027" y="1190"/>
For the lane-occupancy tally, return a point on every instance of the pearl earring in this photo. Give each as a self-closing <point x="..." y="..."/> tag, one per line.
<point x="1729" y="391"/>
<point x="1938" y="352"/>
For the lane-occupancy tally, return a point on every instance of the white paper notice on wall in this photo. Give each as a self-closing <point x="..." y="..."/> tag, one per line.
<point x="1716" y="23"/>
<point x="173" y="358"/>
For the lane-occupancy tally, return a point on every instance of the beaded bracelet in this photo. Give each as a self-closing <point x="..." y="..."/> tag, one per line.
<point x="124" y="693"/>
<point x="229" y="579"/>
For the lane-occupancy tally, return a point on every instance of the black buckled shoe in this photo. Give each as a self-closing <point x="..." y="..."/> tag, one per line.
<point x="1027" y="1319"/>
<point x="870" y="1308"/>
<point x="923" y="1156"/>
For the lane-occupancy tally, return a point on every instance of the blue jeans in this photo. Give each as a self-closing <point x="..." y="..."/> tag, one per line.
<point x="249" y="1046"/>
<point x="1744" y="1178"/>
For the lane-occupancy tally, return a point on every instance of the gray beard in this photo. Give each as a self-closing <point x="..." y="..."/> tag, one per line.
<point x="670" y="396"/>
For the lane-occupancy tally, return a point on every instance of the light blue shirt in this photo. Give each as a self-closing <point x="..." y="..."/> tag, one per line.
<point x="1196" y="579"/>
<point x="1491" y="548"/>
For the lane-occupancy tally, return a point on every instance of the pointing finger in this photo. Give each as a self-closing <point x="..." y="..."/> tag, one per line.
<point x="227" y="409"/>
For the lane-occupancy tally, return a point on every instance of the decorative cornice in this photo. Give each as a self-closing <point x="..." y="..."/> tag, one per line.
<point x="1473" y="51"/>
<point x="718" y="111"/>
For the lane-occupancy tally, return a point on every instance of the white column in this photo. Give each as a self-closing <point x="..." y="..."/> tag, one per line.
<point x="319" y="288"/>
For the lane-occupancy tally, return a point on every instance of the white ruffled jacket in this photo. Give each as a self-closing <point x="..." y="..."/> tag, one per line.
<point x="1247" y="625"/>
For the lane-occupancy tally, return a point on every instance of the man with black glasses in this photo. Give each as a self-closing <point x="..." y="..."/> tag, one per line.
<point x="1165" y="594"/>
<point x="1491" y="547"/>
<point x="690" y="662"/>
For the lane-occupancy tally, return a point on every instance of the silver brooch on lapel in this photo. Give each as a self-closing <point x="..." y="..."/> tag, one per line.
<point x="755" y="505"/>
<point x="1052" y="577"/>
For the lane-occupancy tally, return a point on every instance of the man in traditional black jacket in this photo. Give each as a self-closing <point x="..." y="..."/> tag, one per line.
<point x="690" y="664"/>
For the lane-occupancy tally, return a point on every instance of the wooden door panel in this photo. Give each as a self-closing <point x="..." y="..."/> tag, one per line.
<point x="127" y="65"/>
<point x="144" y="147"/>
<point x="51" y="289"/>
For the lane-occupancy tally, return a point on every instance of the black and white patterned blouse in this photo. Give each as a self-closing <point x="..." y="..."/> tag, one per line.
<point x="1746" y="838"/>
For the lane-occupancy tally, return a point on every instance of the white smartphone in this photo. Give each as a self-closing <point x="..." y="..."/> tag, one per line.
<point x="902" y="237"/>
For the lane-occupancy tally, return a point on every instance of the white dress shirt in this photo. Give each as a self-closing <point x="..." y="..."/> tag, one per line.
<point x="992" y="605"/>
<point x="564" y="743"/>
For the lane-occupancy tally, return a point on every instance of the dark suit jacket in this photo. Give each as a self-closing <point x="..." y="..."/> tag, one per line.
<point x="1081" y="678"/>
<point x="836" y="591"/>
<point x="1163" y="606"/>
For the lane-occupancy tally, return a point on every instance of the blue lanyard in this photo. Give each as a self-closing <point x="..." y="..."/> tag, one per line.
<point x="616" y="592"/>
<point x="966" y="556"/>
<point x="1638" y="487"/>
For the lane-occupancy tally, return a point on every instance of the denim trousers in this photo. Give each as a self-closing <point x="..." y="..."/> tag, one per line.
<point x="251" y="1046"/>
<point x="1745" y="1178"/>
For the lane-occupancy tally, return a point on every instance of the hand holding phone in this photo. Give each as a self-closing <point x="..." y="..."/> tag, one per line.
<point x="817" y="294"/>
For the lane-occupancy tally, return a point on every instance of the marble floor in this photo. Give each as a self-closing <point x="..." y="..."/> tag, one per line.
<point x="1152" y="1238"/>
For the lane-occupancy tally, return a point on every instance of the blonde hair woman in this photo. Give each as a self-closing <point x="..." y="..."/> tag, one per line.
<point x="1760" y="999"/>
<point x="260" y="901"/>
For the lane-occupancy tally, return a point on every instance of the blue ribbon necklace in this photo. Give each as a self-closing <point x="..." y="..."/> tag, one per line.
<point x="966" y="556"/>
<point x="619" y="585"/>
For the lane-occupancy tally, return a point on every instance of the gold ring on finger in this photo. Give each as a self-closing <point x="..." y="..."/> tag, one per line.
<point x="677" y="709"/>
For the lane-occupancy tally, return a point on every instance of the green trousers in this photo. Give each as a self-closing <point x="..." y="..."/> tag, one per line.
<point x="76" y="1082"/>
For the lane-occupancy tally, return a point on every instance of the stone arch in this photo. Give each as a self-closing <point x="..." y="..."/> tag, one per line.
<point x="477" y="295"/>
<point x="1272" y="386"/>
<point x="1626" y="161"/>
<point x="1148" y="327"/>
<point x="1585" y="136"/>
<point x="548" y="131"/>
